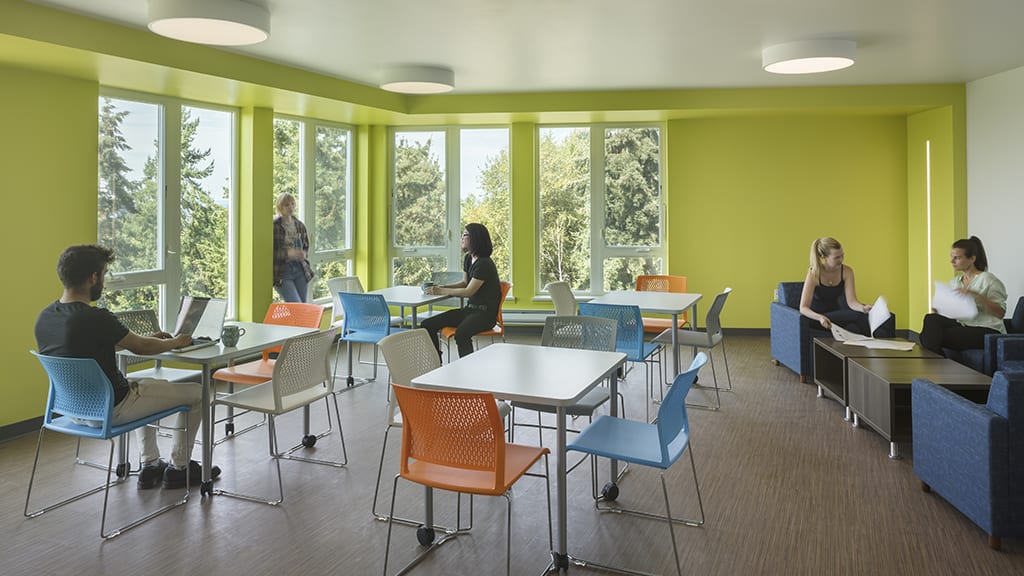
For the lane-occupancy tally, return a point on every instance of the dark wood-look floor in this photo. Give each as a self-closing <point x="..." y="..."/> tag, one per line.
<point x="788" y="486"/>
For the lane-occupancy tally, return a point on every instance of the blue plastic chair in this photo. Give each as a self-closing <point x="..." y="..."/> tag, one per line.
<point x="657" y="445"/>
<point x="367" y="321"/>
<point x="629" y="338"/>
<point x="80" y="390"/>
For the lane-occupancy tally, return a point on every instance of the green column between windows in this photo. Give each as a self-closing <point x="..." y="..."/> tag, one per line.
<point x="370" y="205"/>
<point x="523" y="203"/>
<point x="255" y="213"/>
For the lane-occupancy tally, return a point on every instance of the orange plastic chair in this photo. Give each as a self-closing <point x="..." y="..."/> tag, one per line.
<point x="661" y="283"/>
<point x="448" y="332"/>
<point x="262" y="370"/>
<point x="456" y="441"/>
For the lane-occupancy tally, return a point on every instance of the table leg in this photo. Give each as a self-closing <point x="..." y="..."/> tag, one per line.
<point x="560" y="556"/>
<point x="675" y="347"/>
<point x="206" y="489"/>
<point x="613" y="411"/>
<point x="414" y="317"/>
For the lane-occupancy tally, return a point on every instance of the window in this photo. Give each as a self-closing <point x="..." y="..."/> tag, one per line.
<point x="442" y="180"/>
<point x="313" y="162"/>
<point x="600" y="206"/>
<point x="165" y="197"/>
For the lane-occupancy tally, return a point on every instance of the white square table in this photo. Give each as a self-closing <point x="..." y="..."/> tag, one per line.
<point x="411" y="296"/>
<point x="673" y="303"/>
<point x="556" y="377"/>
<point x="257" y="337"/>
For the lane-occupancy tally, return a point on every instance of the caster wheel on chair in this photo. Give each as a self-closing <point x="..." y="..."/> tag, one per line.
<point x="350" y="381"/>
<point x="425" y="536"/>
<point x="610" y="491"/>
<point x="229" y="429"/>
<point x="123" y="470"/>
<point x="309" y="440"/>
<point x="206" y="488"/>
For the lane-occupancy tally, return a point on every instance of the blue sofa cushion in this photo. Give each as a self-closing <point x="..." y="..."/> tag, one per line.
<point x="789" y="294"/>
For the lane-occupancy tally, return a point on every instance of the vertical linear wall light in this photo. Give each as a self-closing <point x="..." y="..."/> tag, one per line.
<point x="928" y="213"/>
<point x="216" y="22"/>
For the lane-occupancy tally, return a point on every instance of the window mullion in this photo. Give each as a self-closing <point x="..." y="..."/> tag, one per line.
<point x="170" y="161"/>
<point x="597" y="209"/>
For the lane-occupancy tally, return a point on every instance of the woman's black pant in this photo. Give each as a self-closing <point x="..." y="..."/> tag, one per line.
<point x="468" y="322"/>
<point x="940" y="332"/>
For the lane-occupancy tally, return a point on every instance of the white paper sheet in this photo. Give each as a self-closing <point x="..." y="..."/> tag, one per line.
<point x="881" y="344"/>
<point x="878" y="314"/>
<point x="844" y="335"/>
<point x="953" y="305"/>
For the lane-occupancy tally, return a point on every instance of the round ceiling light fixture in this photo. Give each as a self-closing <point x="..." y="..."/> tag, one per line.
<point x="217" y="22"/>
<point x="808" y="57"/>
<point x="416" y="79"/>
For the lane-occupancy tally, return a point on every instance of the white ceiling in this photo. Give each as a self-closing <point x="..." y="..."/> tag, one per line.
<point x="497" y="46"/>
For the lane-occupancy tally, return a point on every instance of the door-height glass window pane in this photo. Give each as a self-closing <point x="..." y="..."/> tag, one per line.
<point x="287" y="135"/>
<point x="331" y="196"/>
<point x="565" y="206"/>
<point x="144" y="298"/>
<point x="129" y="199"/>
<point x="415" y="270"/>
<point x="484" y="188"/>
<point x="632" y="188"/>
<point x="419" y="194"/>
<point x="206" y="155"/>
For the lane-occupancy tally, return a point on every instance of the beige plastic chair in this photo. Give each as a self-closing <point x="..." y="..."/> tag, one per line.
<point x="562" y="297"/>
<point x="301" y="376"/>
<point x="144" y="322"/>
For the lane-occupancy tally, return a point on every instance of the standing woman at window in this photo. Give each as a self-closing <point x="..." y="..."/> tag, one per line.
<point x="972" y="278"/>
<point x="291" y="244"/>
<point x="481" y="286"/>
<point x="830" y="295"/>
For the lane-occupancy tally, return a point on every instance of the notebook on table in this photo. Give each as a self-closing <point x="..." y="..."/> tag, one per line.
<point x="201" y="318"/>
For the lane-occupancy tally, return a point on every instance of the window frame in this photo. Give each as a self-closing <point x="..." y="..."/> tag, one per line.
<point x="599" y="250"/>
<point x="167" y="276"/>
<point x="306" y="189"/>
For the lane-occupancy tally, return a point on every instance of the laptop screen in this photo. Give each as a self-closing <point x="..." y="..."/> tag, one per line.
<point x="201" y="317"/>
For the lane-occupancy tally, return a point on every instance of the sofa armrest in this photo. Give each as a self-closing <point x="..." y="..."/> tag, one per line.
<point x="1009" y="348"/>
<point x="790" y="338"/>
<point x="961" y="450"/>
<point x="991" y="360"/>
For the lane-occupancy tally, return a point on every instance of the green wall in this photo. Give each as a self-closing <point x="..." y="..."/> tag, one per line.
<point x="747" y="196"/>
<point x="48" y="172"/>
<point x="752" y="175"/>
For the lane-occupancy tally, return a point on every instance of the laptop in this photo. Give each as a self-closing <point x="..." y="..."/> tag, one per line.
<point x="201" y="318"/>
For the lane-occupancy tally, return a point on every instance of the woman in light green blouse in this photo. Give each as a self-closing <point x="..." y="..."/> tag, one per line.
<point x="972" y="278"/>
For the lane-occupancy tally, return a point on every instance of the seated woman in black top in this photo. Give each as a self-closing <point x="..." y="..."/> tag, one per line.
<point x="481" y="285"/>
<point x="828" y="280"/>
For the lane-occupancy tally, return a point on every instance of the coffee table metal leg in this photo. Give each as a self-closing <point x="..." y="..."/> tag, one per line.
<point x="894" y="451"/>
<point x="820" y="394"/>
<point x="847" y="417"/>
<point x="856" y="421"/>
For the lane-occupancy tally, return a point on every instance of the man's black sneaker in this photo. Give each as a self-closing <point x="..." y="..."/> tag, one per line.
<point x="150" y="474"/>
<point x="175" y="477"/>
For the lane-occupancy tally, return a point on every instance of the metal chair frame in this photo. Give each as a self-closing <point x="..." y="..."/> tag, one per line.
<point x="79" y="389"/>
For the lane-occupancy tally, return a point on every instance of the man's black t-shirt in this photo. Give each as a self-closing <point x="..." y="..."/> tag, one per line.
<point x="488" y="295"/>
<point x="77" y="330"/>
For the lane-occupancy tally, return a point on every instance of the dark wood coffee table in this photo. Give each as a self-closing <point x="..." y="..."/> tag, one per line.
<point x="879" y="391"/>
<point x="831" y="366"/>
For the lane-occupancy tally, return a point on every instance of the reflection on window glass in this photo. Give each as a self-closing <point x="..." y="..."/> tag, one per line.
<point x="484" y="188"/>
<point x="565" y="206"/>
<point x="206" y="152"/>
<point x="129" y="182"/>
<point x="323" y="271"/>
<point x="286" y="157"/>
<point x="419" y="195"/>
<point x="331" y="194"/>
<point x="632" y="190"/>
<point x="416" y="270"/>
<point x="144" y="298"/>
<point x="621" y="273"/>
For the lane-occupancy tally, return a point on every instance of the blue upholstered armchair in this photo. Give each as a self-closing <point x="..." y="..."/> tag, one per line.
<point x="984" y="360"/>
<point x="792" y="332"/>
<point x="973" y="455"/>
